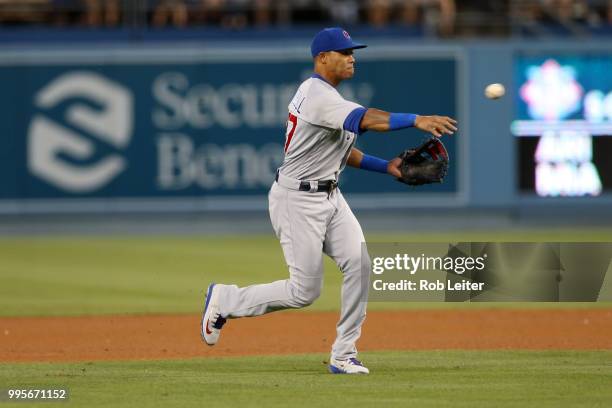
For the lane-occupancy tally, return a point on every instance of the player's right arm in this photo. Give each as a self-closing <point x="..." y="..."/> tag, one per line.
<point x="381" y="121"/>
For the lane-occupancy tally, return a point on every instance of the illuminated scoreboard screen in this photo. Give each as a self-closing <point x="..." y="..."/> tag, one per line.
<point x="563" y="125"/>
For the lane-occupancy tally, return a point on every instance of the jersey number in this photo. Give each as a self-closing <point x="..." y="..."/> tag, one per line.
<point x="291" y="125"/>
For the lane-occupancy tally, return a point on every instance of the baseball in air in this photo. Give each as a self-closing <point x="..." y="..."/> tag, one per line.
<point x="495" y="91"/>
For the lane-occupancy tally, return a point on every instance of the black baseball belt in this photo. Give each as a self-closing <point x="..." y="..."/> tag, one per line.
<point x="317" y="186"/>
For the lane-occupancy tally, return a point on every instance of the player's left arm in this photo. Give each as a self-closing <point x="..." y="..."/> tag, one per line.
<point x="362" y="119"/>
<point x="363" y="161"/>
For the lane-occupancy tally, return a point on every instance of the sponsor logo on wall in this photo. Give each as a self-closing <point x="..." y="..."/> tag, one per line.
<point x="184" y="111"/>
<point x="65" y="154"/>
<point x="190" y="149"/>
<point x="160" y="130"/>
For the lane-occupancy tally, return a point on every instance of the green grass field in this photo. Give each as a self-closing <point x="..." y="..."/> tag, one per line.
<point x="103" y="275"/>
<point x="419" y="379"/>
<point x="107" y="275"/>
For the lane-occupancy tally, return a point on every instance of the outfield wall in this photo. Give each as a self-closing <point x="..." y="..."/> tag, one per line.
<point x="175" y="127"/>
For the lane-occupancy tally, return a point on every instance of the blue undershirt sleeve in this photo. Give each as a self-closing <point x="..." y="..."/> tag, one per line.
<point x="372" y="163"/>
<point x="401" y="120"/>
<point x="353" y="120"/>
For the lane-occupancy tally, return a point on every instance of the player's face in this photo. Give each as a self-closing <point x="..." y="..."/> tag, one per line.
<point x="343" y="63"/>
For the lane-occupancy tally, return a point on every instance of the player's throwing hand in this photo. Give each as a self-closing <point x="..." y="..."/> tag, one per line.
<point x="436" y="125"/>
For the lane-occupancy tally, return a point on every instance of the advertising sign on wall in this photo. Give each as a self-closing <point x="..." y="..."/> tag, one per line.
<point x="564" y="124"/>
<point x="206" y="128"/>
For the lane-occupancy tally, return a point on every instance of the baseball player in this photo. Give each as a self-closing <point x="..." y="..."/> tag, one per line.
<point x="308" y="212"/>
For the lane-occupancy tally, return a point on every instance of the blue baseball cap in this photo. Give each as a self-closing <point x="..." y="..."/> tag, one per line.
<point x="333" y="39"/>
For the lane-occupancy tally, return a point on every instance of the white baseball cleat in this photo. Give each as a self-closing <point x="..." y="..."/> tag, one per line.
<point x="212" y="321"/>
<point x="350" y="366"/>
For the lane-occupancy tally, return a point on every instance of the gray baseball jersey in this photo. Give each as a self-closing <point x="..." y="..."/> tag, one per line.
<point x="308" y="223"/>
<point x="316" y="145"/>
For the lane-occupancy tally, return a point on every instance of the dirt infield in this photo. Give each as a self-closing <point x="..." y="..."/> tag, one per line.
<point x="177" y="336"/>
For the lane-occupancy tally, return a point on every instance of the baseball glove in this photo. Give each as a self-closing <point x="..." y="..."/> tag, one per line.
<point x="426" y="164"/>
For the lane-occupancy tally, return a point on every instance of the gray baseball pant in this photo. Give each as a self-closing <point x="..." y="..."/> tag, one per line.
<point x="308" y="224"/>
